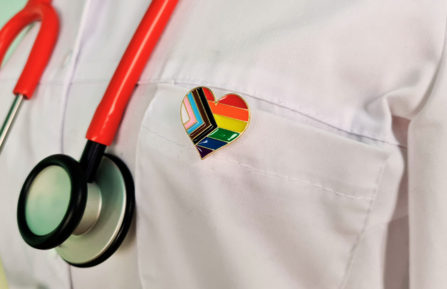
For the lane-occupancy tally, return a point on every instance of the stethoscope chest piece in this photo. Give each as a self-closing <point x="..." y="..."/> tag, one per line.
<point x="85" y="222"/>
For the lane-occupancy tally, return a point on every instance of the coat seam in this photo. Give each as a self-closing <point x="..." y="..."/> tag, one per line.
<point x="267" y="172"/>
<point x="363" y="230"/>
<point x="300" y="109"/>
<point x="352" y="131"/>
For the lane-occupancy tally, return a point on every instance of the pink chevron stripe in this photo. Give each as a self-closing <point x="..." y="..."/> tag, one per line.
<point x="192" y="117"/>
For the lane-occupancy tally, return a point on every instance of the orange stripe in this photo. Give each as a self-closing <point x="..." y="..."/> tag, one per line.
<point x="229" y="111"/>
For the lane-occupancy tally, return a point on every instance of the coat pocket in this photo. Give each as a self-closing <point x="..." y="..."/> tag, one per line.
<point x="282" y="207"/>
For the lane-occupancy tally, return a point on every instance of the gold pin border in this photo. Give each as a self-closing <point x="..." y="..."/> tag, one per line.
<point x="216" y="102"/>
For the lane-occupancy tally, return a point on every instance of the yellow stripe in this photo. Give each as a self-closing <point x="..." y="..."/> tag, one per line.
<point x="230" y="123"/>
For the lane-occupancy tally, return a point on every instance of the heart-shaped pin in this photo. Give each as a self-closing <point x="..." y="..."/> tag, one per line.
<point x="210" y="124"/>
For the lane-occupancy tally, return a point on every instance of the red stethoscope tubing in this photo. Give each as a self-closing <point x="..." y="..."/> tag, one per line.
<point x="109" y="112"/>
<point x="34" y="10"/>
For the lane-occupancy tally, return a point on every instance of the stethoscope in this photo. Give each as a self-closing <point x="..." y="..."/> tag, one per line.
<point x="83" y="209"/>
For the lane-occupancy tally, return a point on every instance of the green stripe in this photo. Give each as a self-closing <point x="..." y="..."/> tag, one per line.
<point x="224" y="135"/>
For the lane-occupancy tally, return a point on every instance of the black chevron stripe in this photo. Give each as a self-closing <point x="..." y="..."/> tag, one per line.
<point x="207" y="114"/>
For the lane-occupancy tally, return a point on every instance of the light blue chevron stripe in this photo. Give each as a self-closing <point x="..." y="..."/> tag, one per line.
<point x="196" y="113"/>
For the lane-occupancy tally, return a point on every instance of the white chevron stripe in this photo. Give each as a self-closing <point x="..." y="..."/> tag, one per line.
<point x="185" y="115"/>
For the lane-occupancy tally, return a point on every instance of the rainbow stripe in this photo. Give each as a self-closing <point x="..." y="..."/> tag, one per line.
<point x="212" y="125"/>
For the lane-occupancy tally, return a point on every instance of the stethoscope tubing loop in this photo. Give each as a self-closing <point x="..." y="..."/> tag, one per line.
<point x="34" y="10"/>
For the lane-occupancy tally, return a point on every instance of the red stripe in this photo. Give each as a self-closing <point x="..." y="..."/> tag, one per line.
<point x="233" y="100"/>
<point x="209" y="95"/>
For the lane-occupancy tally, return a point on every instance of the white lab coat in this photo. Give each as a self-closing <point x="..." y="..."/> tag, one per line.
<point x="339" y="182"/>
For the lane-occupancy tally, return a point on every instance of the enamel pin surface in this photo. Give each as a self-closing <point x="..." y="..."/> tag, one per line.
<point x="213" y="124"/>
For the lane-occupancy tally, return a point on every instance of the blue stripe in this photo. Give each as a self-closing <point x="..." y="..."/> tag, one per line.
<point x="196" y="113"/>
<point x="211" y="143"/>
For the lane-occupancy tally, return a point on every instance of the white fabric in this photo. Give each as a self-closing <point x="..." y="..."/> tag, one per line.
<point x="314" y="195"/>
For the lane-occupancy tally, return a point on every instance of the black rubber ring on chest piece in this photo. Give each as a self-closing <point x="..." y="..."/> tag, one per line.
<point x="76" y="205"/>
